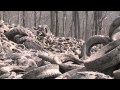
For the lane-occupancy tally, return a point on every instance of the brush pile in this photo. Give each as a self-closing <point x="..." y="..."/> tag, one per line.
<point x="37" y="54"/>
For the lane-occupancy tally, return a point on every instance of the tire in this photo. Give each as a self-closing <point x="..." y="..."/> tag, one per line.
<point x="15" y="31"/>
<point x="43" y="72"/>
<point x="106" y="57"/>
<point x="114" y="25"/>
<point x="97" y="39"/>
<point x="116" y="34"/>
<point x="32" y="44"/>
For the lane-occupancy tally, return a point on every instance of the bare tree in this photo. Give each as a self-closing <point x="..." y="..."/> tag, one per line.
<point x="86" y="26"/>
<point x="24" y="15"/>
<point x="1" y="15"/>
<point x="64" y="21"/>
<point x="57" y="24"/>
<point x="78" y="24"/>
<point x="72" y="26"/>
<point x="4" y="16"/>
<point x="53" y="21"/>
<point x="75" y="23"/>
<point x="35" y="18"/>
<point x="18" y="21"/>
<point x="97" y="22"/>
<point x="40" y="16"/>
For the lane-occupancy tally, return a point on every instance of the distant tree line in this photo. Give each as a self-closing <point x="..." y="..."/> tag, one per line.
<point x="78" y="24"/>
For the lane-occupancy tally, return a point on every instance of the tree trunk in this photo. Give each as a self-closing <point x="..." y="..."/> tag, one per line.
<point x="64" y="22"/>
<point x="75" y="23"/>
<point x="1" y="15"/>
<point x="24" y="14"/>
<point x="97" y="23"/>
<point x="57" y="24"/>
<point x="72" y="25"/>
<point x="4" y="16"/>
<point x="86" y="26"/>
<point x="35" y="18"/>
<point x="53" y="22"/>
<point x="78" y="22"/>
<point x="18" y="21"/>
<point x="40" y="17"/>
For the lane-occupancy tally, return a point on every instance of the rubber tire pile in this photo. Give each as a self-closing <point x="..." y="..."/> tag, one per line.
<point x="35" y="53"/>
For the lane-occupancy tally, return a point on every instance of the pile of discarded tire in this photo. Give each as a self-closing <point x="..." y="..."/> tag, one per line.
<point x="35" y="53"/>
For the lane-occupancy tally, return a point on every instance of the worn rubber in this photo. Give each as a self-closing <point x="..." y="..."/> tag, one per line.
<point x="43" y="72"/>
<point x="97" y="39"/>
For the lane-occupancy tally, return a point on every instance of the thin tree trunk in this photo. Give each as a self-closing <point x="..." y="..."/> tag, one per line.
<point x="78" y="22"/>
<point x="40" y="15"/>
<point x="72" y="25"/>
<point x="64" y="22"/>
<point x="97" y="23"/>
<point x="86" y="26"/>
<point x="4" y="17"/>
<point x="57" y="24"/>
<point x="24" y="14"/>
<point x="74" y="20"/>
<point x="53" y="22"/>
<point x="35" y="18"/>
<point x="8" y="17"/>
<point x="93" y="30"/>
<point x="75" y="23"/>
<point x="1" y="15"/>
<point x="18" y="17"/>
<point x="83" y="31"/>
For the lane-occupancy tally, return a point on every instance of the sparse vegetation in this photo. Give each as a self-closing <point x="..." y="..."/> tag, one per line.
<point x="89" y="49"/>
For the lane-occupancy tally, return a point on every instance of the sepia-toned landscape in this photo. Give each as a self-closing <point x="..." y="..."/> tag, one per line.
<point x="59" y="45"/>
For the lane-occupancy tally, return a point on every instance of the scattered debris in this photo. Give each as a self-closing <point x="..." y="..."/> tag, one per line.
<point x="37" y="54"/>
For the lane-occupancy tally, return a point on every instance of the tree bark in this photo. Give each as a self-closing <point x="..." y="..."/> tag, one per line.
<point x="53" y="22"/>
<point x="24" y="14"/>
<point x="18" y="21"/>
<point x="97" y="23"/>
<point x="40" y="15"/>
<point x="86" y="26"/>
<point x="57" y="24"/>
<point x="64" y="22"/>
<point x="78" y="21"/>
<point x="4" y="16"/>
<point x="35" y="18"/>
<point x="75" y="23"/>
<point x="1" y="15"/>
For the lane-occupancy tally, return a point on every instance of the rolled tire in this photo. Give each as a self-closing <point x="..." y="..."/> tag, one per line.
<point x="116" y="34"/>
<point x="67" y="67"/>
<point x="20" y="46"/>
<point x="105" y="58"/>
<point x="90" y="75"/>
<point x="114" y="25"/>
<point x="68" y="74"/>
<point x="22" y="31"/>
<point x="30" y="43"/>
<point x="33" y="44"/>
<point x="97" y="39"/>
<point x="17" y="38"/>
<point x="116" y="74"/>
<point x="23" y="39"/>
<point x="11" y="68"/>
<point x="43" y="72"/>
<point x="44" y="30"/>
<point x="6" y="75"/>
